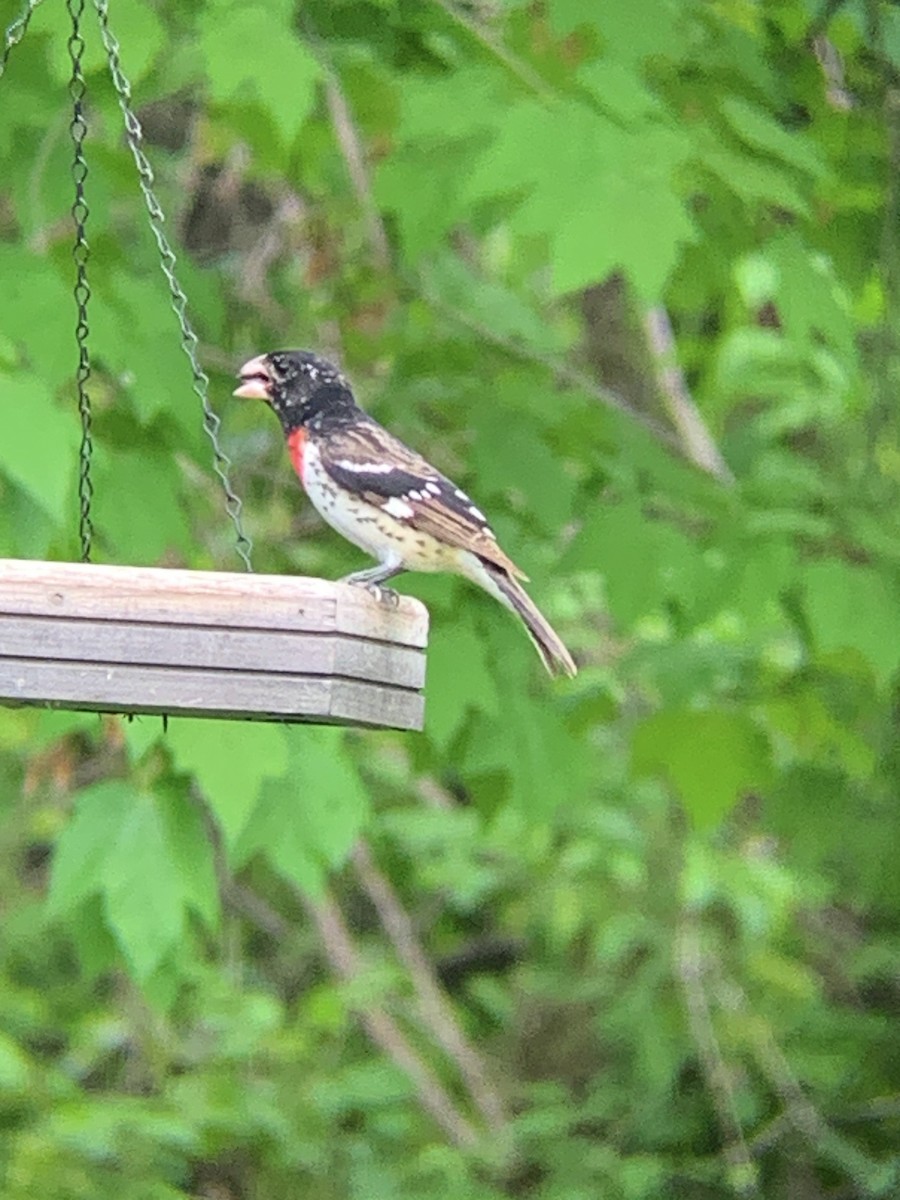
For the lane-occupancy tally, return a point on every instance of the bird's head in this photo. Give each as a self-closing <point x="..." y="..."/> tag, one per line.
<point x="301" y="387"/>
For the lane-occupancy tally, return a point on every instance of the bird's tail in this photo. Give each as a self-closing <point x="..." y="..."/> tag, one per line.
<point x="510" y="592"/>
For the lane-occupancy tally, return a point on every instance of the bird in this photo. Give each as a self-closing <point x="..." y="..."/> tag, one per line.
<point x="384" y="497"/>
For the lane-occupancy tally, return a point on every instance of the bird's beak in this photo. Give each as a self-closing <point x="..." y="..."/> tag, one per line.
<point x="256" y="380"/>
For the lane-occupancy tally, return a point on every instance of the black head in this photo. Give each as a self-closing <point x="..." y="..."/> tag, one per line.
<point x="301" y="387"/>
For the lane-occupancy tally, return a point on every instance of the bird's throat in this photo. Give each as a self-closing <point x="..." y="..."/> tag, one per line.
<point x="296" y="440"/>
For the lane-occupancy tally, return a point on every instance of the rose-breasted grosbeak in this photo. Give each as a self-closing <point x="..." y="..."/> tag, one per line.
<point x="381" y="495"/>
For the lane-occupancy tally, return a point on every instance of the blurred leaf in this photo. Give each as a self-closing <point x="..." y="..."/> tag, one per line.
<point x="630" y="33"/>
<point x="644" y="561"/>
<point x="307" y="821"/>
<point x="230" y="762"/>
<point x="39" y="445"/>
<point x="15" y="1072"/>
<point x="605" y="202"/>
<point x="853" y="607"/>
<point x="710" y="758"/>
<point x="762" y="132"/>
<point x="86" y="843"/>
<point x="459" y="679"/>
<point x="188" y="845"/>
<point x="37" y="311"/>
<point x="138" y="30"/>
<point x="252" y="52"/>
<point x="120" y="845"/>
<point x="143" y="887"/>
<point x="137" y="507"/>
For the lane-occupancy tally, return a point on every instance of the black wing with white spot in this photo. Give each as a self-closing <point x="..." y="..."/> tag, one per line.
<point x="367" y="460"/>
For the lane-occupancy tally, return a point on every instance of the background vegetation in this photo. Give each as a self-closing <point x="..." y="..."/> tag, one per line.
<point x="630" y="272"/>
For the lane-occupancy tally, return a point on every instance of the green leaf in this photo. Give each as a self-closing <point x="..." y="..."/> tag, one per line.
<point x="230" y="762"/>
<point x="449" y="107"/>
<point x="137" y="508"/>
<point x="191" y="853"/>
<point x="620" y="90"/>
<point x="818" y="735"/>
<point x="630" y="32"/>
<point x="423" y="186"/>
<point x="37" y="311"/>
<point x="250" y="51"/>
<point x="335" y="805"/>
<point x="500" y="308"/>
<point x="602" y="195"/>
<point x="812" y="305"/>
<point x="15" y="1067"/>
<point x="94" y="943"/>
<point x="137" y="340"/>
<point x="144" y="897"/>
<point x="147" y="857"/>
<point x="762" y="132"/>
<point x="527" y="744"/>
<point x="85" y="844"/>
<point x="137" y="29"/>
<point x="523" y="467"/>
<point x="854" y="608"/>
<point x="309" y="819"/>
<point x="710" y="758"/>
<point x="751" y="179"/>
<point x="39" y="446"/>
<point x="459" y="678"/>
<point x="644" y="561"/>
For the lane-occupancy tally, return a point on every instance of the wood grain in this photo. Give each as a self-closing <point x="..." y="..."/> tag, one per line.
<point x="207" y="598"/>
<point x="205" y="643"/>
<point x="155" y="644"/>
<point x="196" y="693"/>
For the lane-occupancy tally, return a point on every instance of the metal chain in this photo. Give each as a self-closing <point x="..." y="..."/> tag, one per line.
<point x="81" y="254"/>
<point x="211" y="421"/>
<point x="15" y="32"/>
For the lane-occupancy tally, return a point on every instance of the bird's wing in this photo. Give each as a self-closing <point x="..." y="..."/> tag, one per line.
<point x="368" y="460"/>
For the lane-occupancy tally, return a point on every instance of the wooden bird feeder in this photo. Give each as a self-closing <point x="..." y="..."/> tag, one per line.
<point x="208" y="644"/>
<point x="190" y="643"/>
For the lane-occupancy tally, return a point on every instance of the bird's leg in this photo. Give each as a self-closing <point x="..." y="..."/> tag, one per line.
<point x="373" y="577"/>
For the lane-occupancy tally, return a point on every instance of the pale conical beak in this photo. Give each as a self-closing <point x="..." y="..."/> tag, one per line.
<point x="256" y="380"/>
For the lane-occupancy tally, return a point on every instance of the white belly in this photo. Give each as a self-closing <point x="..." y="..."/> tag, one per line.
<point x="382" y="537"/>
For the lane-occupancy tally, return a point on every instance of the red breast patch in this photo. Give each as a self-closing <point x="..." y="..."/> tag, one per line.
<point x="296" y="442"/>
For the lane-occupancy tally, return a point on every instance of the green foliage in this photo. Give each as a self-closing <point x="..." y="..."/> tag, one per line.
<point x="662" y="898"/>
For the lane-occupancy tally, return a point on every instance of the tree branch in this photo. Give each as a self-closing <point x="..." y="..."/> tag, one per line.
<point x="690" y="971"/>
<point x="522" y="71"/>
<point x="560" y="371"/>
<point x="351" y="148"/>
<point x="679" y="404"/>
<point x="382" y="1029"/>
<point x="436" y="1011"/>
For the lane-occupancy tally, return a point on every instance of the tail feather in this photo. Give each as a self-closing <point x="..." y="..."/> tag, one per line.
<point x="554" y="655"/>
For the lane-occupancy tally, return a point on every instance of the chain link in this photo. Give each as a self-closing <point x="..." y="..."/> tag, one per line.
<point x="81" y="254"/>
<point x="211" y="421"/>
<point x="15" y="32"/>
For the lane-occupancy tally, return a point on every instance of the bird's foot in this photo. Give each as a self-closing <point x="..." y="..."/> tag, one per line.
<point x="384" y="595"/>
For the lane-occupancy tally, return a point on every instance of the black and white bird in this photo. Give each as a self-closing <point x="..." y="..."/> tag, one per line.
<point x="382" y="496"/>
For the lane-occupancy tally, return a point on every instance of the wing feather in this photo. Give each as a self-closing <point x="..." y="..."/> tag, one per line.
<point x="367" y="459"/>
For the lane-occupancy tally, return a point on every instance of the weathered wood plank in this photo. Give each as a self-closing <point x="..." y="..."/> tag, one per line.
<point x="203" y="643"/>
<point x="199" y="693"/>
<point x="153" y="644"/>
<point x="206" y="598"/>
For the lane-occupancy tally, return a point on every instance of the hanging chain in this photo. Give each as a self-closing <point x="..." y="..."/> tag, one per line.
<point x="81" y="254"/>
<point x="16" y="31"/>
<point x="211" y="421"/>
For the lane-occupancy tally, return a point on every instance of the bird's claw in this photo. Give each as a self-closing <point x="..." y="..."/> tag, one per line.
<point x="383" y="595"/>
